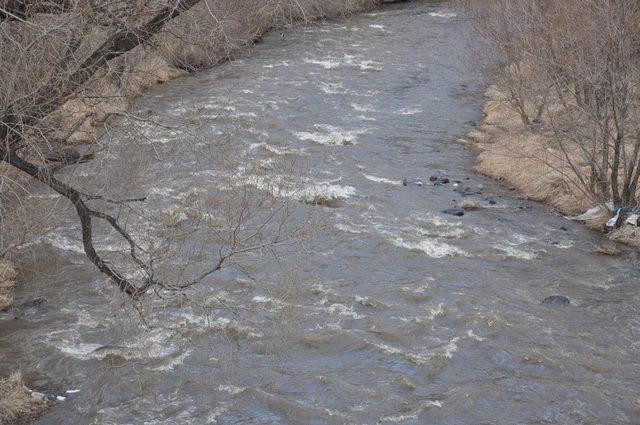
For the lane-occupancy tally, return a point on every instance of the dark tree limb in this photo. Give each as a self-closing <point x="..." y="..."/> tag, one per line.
<point x="48" y="99"/>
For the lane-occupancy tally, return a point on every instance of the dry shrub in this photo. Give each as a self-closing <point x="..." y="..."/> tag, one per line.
<point x="16" y="403"/>
<point x="524" y="159"/>
<point x="7" y="283"/>
<point x="570" y="71"/>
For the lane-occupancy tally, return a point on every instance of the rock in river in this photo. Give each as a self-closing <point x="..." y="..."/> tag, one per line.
<point x="406" y="182"/>
<point x="458" y="212"/>
<point x="555" y="300"/>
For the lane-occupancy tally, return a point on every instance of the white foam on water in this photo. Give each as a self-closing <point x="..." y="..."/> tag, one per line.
<point x="331" y="136"/>
<point x="275" y="149"/>
<point x="343" y="310"/>
<point x="376" y="26"/>
<point x="326" y="64"/>
<point x="432" y="248"/>
<point x="409" y="111"/>
<point x="451" y="348"/>
<point x="64" y="243"/>
<point x="221" y="408"/>
<point x="333" y="88"/>
<point x="231" y="389"/>
<point x="363" y="108"/>
<point x="382" y="180"/>
<point x="513" y="252"/>
<point x="399" y="418"/>
<point x="367" y="65"/>
<point x="82" y="351"/>
<point x="436" y="311"/>
<point x="171" y="364"/>
<point x="313" y="193"/>
<point x="472" y="335"/>
<point x="350" y="228"/>
<point x="414" y="358"/>
<point x="443" y="14"/>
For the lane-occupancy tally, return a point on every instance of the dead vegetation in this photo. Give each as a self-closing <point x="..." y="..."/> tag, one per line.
<point x="16" y="403"/>
<point x="562" y="120"/>
<point x="7" y="284"/>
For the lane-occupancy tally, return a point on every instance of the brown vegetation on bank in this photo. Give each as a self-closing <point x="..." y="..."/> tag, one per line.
<point x="7" y="284"/>
<point x="17" y="405"/>
<point x="562" y="119"/>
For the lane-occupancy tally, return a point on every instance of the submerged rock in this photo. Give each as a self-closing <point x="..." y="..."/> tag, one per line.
<point x="458" y="212"/>
<point x="32" y="303"/>
<point x="556" y="300"/>
<point x="406" y="182"/>
<point x="466" y="190"/>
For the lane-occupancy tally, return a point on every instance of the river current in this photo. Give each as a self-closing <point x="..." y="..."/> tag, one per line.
<point x="395" y="312"/>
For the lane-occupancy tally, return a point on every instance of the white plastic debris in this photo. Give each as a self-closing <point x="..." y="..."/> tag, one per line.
<point x="61" y="398"/>
<point x="592" y="213"/>
<point x="72" y="391"/>
<point x="633" y="220"/>
<point x="613" y="220"/>
<point x="37" y="395"/>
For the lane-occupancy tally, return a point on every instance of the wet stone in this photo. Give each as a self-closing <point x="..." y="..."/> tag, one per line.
<point x="407" y="182"/>
<point x="458" y="212"/>
<point x="32" y="303"/>
<point x="466" y="190"/>
<point x="556" y="300"/>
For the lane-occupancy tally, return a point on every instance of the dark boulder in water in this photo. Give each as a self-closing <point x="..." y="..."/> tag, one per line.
<point x="556" y="300"/>
<point x="32" y="303"/>
<point x="458" y="212"/>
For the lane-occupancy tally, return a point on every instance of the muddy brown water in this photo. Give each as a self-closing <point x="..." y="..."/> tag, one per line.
<point x="399" y="314"/>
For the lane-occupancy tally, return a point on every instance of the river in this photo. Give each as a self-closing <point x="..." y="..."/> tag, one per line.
<point x="396" y="312"/>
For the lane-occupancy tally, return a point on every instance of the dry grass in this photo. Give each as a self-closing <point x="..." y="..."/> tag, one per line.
<point x="525" y="160"/>
<point x="7" y="284"/>
<point x="16" y="403"/>
<point x="529" y="162"/>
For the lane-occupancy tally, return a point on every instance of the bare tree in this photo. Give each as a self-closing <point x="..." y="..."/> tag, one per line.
<point x="577" y="64"/>
<point x="53" y="53"/>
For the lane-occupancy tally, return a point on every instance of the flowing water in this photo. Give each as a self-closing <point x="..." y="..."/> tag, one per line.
<point x="397" y="313"/>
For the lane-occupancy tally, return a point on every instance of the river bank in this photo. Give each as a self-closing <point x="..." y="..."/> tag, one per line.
<point x="527" y="160"/>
